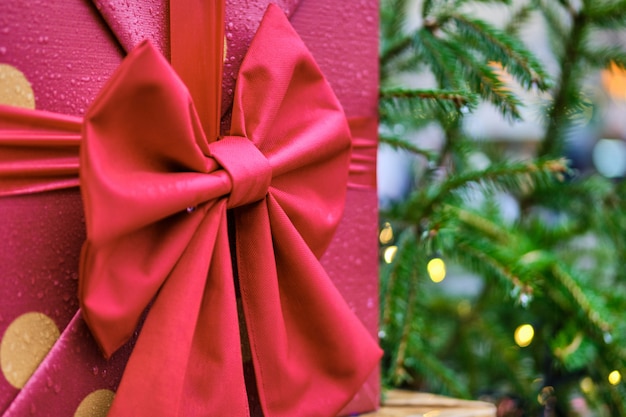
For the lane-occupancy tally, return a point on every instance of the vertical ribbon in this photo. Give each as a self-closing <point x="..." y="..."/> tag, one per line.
<point x="197" y="45"/>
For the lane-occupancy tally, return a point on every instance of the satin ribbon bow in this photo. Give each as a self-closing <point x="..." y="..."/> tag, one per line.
<point x="166" y="208"/>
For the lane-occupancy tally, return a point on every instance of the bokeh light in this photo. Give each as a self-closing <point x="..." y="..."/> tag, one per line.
<point x="615" y="377"/>
<point x="390" y="254"/>
<point x="609" y="157"/>
<point x="524" y="335"/>
<point x="586" y="385"/>
<point x="386" y="234"/>
<point x="436" y="269"/>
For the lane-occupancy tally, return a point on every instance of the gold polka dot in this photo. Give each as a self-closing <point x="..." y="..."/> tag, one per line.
<point x="27" y="340"/>
<point x="96" y="404"/>
<point x="15" y="90"/>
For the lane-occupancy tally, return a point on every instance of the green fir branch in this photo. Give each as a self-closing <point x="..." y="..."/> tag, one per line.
<point x="497" y="46"/>
<point x="440" y="58"/>
<point x="483" y="261"/>
<point x="457" y="98"/>
<point x="427" y="8"/>
<point x="558" y="22"/>
<point x="428" y="364"/>
<point x="392" y="22"/>
<point x="484" y="226"/>
<point x="401" y="267"/>
<point x="603" y="56"/>
<point x="606" y="14"/>
<point x="566" y="91"/>
<point x="394" y="41"/>
<point x="514" y="176"/>
<point x="569" y="290"/>
<point x="400" y="143"/>
<point x="424" y="105"/>
<point x="407" y="327"/>
<point x="484" y="79"/>
<point x="520" y="18"/>
<point x="577" y="294"/>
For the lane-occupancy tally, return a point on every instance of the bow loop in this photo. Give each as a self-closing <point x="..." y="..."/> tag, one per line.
<point x="150" y="147"/>
<point x="248" y="169"/>
<point x="143" y="163"/>
<point x="286" y="107"/>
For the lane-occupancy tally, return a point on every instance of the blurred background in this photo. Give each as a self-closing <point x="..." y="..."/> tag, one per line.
<point x="501" y="167"/>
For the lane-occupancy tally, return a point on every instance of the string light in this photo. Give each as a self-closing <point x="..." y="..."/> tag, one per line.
<point x="386" y="234"/>
<point x="524" y="335"/>
<point x="464" y="308"/>
<point x="545" y="394"/>
<point x="586" y="385"/>
<point x="436" y="269"/>
<point x="615" y="377"/>
<point x="390" y="253"/>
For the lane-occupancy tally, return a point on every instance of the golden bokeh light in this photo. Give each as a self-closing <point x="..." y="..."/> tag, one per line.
<point x="386" y="234"/>
<point x="524" y="335"/>
<point x="436" y="269"/>
<point x="390" y="254"/>
<point x="464" y="308"/>
<point x="586" y="385"/>
<point x="615" y="377"/>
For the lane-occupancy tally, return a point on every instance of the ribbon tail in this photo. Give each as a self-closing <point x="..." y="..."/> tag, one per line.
<point x="311" y="353"/>
<point x="187" y="360"/>
<point x="38" y="151"/>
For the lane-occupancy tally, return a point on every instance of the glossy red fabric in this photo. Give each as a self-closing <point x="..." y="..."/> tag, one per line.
<point x="156" y="194"/>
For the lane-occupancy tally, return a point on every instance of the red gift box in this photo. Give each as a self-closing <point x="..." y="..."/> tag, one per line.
<point x="67" y="51"/>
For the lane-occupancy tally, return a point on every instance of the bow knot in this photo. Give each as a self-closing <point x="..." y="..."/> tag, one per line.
<point x="247" y="167"/>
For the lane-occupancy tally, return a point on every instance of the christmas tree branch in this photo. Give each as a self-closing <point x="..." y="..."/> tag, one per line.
<point x="440" y="58"/>
<point x="400" y="143"/>
<point x="554" y="138"/>
<point x="578" y="295"/>
<point x="406" y="328"/>
<point x="514" y="176"/>
<point x="498" y="46"/>
<point x="420" y="104"/>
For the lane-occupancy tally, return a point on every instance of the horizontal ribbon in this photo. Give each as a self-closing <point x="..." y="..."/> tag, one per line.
<point x="364" y="131"/>
<point x="39" y="151"/>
